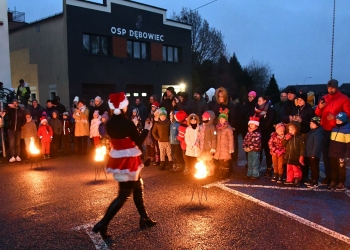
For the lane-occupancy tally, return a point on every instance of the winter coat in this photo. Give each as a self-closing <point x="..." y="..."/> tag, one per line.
<point x="143" y="113"/>
<point x="181" y="135"/>
<point x="29" y="130"/>
<point x="81" y="122"/>
<point x="209" y="139"/>
<point x="102" y="108"/>
<point x="266" y="125"/>
<point x="161" y="130"/>
<point x="340" y="141"/>
<point x="224" y="143"/>
<point x="66" y="127"/>
<point x="36" y="113"/>
<point x="215" y="106"/>
<point x="313" y="144"/>
<point x="95" y="123"/>
<point x="295" y="147"/>
<point x="252" y="140"/>
<point x="45" y="133"/>
<point x="191" y="136"/>
<point x="16" y="118"/>
<point x="187" y="106"/>
<point x="276" y="143"/>
<point x="56" y="124"/>
<point x="102" y="129"/>
<point x="174" y="130"/>
<point x="334" y="105"/>
<point x="149" y="139"/>
<point x="200" y="106"/>
<point x="279" y="111"/>
<point x="305" y="114"/>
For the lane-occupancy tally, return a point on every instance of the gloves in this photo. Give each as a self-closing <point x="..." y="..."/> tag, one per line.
<point x="247" y="149"/>
<point x="301" y="160"/>
<point x="288" y="136"/>
<point x="212" y="151"/>
<point x="148" y="125"/>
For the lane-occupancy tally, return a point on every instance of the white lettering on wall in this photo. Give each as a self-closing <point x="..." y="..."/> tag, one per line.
<point x="137" y="34"/>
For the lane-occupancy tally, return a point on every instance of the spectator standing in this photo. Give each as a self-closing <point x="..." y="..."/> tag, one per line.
<point x="81" y="116"/>
<point x="181" y="117"/>
<point x="101" y="106"/>
<point x="184" y="103"/>
<point x="199" y="103"/>
<point x="152" y="99"/>
<point x="289" y="105"/>
<point x="59" y="107"/>
<point x="49" y="108"/>
<point x="94" y="128"/>
<point x="279" y="107"/>
<point x="66" y="133"/>
<point x="277" y="150"/>
<point x="28" y="131"/>
<point x="136" y="119"/>
<point x="56" y="125"/>
<point x="175" y="144"/>
<point x="102" y="130"/>
<point x="192" y="146"/>
<point x="36" y="111"/>
<point x="45" y="135"/>
<point x="221" y="102"/>
<point x="329" y="106"/>
<point x="23" y="92"/>
<point x="170" y="100"/>
<point x="143" y="113"/>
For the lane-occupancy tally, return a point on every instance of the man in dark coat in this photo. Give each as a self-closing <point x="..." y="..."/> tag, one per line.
<point x="101" y="106"/>
<point x="279" y="107"/>
<point x="36" y="111"/>
<point x="199" y="103"/>
<point x="59" y="107"/>
<point x="170" y="102"/>
<point x="185" y="104"/>
<point x="289" y="105"/>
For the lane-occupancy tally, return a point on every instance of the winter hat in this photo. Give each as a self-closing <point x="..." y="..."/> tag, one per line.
<point x="96" y="113"/>
<point x="302" y="96"/>
<point x="206" y="116"/>
<point x="198" y="90"/>
<point x="183" y="94"/>
<point x="332" y="83"/>
<point x="223" y="113"/>
<point x="155" y="104"/>
<point x="65" y="114"/>
<point x="291" y="90"/>
<point x="316" y="120"/>
<point x="180" y="116"/>
<point x="117" y="102"/>
<point x="342" y="117"/>
<point x="280" y="125"/>
<point x="171" y="89"/>
<point x="162" y="111"/>
<point x="97" y="98"/>
<point x="254" y="120"/>
<point x="105" y="116"/>
<point x="43" y="120"/>
<point x="252" y="93"/>
<point x="136" y="110"/>
<point x="76" y="99"/>
<point x="192" y="117"/>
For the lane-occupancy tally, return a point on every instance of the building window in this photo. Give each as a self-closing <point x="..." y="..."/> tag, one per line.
<point x="170" y="54"/>
<point x="98" y="45"/>
<point x="138" y="50"/>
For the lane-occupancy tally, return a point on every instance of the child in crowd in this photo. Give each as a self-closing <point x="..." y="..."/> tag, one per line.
<point x="66" y="133"/>
<point x="339" y="152"/>
<point x="207" y="138"/>
<point x="56" y="125"/>
<point x="136" y="119"/>
<point x="277" y="150"/>
<point x="161" y="132"/>
<point x="154" y="107"/>
<point x="252" y="145"/>
<point x="154" y="119"/>
<point x="294" y="157"/>
<point x="224" y="144"/>
<point x="149" y="143"/>
<point x="28" y="131"/>
<point x="45" y="134"/>
<point x="313" y="146"/>
<point x="94" y="128"/>
<point x="103" y="132"/>
<point x="181" y="117"/>
<point x="192" y="147"/>
<point x="175" y="144"/>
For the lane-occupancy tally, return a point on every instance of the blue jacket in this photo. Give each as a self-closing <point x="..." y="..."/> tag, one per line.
<point x="174" y="130"/>
<point x="314" y="142"/>
<point x="340" y="141"/>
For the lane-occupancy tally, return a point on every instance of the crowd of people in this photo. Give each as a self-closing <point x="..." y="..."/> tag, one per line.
<point x="292" y="134"/>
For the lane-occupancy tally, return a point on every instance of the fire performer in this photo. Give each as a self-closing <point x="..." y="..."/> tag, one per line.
<point x="125" y="163"/>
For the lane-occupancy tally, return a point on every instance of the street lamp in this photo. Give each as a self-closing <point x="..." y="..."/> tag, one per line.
<point x="306" y="78"/>
<point x="182" y="86"/>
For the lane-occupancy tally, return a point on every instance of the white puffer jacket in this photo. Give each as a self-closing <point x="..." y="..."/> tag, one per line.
<point x="190" y="139"/>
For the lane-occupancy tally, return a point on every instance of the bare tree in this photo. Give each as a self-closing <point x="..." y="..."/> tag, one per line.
<point x="260" y="74"/>
<point x="207" y="42"/>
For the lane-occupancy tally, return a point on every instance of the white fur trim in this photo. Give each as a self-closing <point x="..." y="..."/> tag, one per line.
<point x="130" y="152"/>
<point x="124" y="103"/>
<point x="111" y="106"/>
<point x="254" y="122"/>
<point x="117" y="112"/>
<point x="125" y="174"/>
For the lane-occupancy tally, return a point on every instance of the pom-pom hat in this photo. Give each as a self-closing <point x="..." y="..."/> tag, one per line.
<point x="206" y="115"/>
<point x="254" y="120"/>
<point x="117" y="102"/>
<point x="43" y="120"/>
<point x="180" y="116"/>
<point x="162" y="111"/>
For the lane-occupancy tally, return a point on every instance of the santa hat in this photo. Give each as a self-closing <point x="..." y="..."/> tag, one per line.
<point x="155" y="104"/>
<point x="117" y="102"/>
<point x="180" y="116"/>
<point x="206" y="115"/>
<point x="254" y="120"/>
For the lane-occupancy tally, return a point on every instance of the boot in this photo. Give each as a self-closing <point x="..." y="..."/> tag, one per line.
<point x="145" y="221"/>
<point x="162" y="165"/>
<point x="102" y="225"/>
<point x="268" y="172"/>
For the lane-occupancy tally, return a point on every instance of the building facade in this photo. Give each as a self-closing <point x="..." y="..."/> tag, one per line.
<point x="95" y="49"/>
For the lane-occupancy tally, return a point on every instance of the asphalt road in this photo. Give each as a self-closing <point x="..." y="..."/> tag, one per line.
<point x="55" y="206"/>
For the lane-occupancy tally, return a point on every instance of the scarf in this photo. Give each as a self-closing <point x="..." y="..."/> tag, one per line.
<point x="200" y="138"/>
<point x="220" y="126"/>
<point x="261" y="110"/>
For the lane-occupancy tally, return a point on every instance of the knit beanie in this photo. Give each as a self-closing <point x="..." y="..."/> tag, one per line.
<point x="162" y="111"/>
<point x="316" y="120"/>
<point x="199" y="91"/>
<point x="206" y="116"/>
<point x="280" y="126"/>
<point x="332" y="83"/>
<point x="97" y="98"/>
<point x="302" y="96"/>
<point x="342" y="117"/>
<point x="105" y="116"/>
<point x="252" y="93"/>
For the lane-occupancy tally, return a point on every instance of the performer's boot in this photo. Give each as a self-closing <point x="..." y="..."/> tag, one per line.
<point x="162" y="165"/>
<point x="145" y="221"/>
<point x="102" y="225"/>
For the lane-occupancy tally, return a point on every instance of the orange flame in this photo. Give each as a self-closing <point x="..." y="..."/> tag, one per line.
<point x="100" y="153"/>
<point x="33" y="150"/>
<point x="201" y="170"/>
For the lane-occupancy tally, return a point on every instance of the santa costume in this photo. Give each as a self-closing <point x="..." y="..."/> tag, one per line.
<point x="124" y="162"/>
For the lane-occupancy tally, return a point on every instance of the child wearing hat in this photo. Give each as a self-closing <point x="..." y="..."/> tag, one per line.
<point x="252" y="146"/>
<point x="339" y="151"/>
<point x="224" y="144"/>
<point x="313" y="148"/>
<point x="136" y="119"/>
<point x="94" y="128"/>
<point x="277" y="151"/>
<point x="66" y="133"/>
<point x="181" y="118"/>
<point x="45" y="135"/>
<point x="161" y="133"/>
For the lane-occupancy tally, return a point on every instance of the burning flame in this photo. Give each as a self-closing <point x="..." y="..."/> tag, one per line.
<point x="100" y="153"/>
<point x="201" y="170"/>
<point x="33" y="150"/>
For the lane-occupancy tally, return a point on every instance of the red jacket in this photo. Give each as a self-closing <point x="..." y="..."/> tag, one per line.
<point x="45" y="132"/>
<point x="181" y="135"/>
<point x="334" y="105"/>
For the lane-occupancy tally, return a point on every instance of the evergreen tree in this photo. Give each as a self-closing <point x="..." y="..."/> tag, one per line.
<point x="272" y="91"/>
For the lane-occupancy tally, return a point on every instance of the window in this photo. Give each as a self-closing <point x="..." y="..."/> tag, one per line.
<point x="98" y="45"/>
<point x="138" y="50"/>
<point x="33" y="96"/>
<point x="170" y="54"/>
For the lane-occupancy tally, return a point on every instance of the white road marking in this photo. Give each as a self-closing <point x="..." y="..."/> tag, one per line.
<point x="95" y="238"/>
<point x="278" y="187"/>
<point x="285" y="213"/>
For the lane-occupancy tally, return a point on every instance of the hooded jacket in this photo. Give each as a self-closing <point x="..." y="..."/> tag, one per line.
<point x="215" y="105"/>
<point x="340" y="141"/>
<point x="209" y="137"/>
<point x="56" y="123"/>
<point x="191" y="136"/>
<point x="29" y="130"/>
<point x="161" y="130"/>
<point x="295" y="147"/>
<point x="313" y="143"/>
<point x="224" y="143"/>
